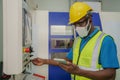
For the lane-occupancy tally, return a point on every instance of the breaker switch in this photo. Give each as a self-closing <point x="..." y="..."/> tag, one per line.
<point x="26" y="50"/>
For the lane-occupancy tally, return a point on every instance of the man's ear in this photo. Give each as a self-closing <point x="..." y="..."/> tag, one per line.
<point x="90" y="19"/>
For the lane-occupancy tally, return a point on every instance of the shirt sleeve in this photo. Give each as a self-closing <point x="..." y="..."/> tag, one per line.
<point x="70" y="54"/>
<point x="108" y="54"/>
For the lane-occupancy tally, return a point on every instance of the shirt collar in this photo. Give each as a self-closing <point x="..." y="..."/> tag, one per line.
<point x="93" y="33"/>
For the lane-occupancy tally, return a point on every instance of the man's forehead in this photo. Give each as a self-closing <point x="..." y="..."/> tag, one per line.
<point x="81" y="20"/>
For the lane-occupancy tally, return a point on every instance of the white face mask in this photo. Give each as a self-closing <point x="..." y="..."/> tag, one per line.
<point x="83" y="31"/>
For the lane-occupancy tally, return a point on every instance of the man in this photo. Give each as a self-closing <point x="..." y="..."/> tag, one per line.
<point x="94" y="54"/>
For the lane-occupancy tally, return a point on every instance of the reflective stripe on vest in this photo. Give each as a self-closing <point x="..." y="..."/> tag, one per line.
<point x="87" y="59"/>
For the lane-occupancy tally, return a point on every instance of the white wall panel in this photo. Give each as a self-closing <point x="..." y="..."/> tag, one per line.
<point x="40" y="40"/>
<point x="96" y="6"/>
<point x="53" y="5"/>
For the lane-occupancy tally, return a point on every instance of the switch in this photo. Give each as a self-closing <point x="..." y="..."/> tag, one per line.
<point x="26" y="50"/>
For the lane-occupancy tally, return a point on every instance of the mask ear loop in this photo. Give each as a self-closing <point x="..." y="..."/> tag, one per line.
<point x="88" y="25"/>
<point x="88" y="15"/>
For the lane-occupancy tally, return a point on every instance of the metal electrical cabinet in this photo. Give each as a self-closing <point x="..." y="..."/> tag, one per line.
<point x="17" y="32"/>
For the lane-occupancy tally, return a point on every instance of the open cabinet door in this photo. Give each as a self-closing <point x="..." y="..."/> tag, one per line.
<point x="12" y="36"/>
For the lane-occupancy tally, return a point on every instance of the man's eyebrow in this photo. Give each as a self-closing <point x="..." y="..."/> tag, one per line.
<point x="82" y="20"/>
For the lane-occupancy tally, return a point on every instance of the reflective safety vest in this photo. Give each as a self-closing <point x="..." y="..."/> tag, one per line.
<point x="88" y="57"/>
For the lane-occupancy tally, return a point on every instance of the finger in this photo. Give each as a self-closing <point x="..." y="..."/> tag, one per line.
<point x="70" y="64"/>
<point x="35" y="59"/>
<point x="34" y="63"/>
<point x="63" y="65"/>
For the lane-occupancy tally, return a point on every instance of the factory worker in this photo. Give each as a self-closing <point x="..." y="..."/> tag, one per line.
<point x="93" y="55"/>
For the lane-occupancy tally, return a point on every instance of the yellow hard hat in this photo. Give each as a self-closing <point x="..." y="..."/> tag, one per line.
<point x="77" y="11"/>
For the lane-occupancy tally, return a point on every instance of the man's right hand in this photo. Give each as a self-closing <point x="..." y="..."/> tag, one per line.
<point x="38" y="61"/>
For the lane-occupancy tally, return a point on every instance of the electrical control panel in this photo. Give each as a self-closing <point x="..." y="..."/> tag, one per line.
<point x="26" y="36"/>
